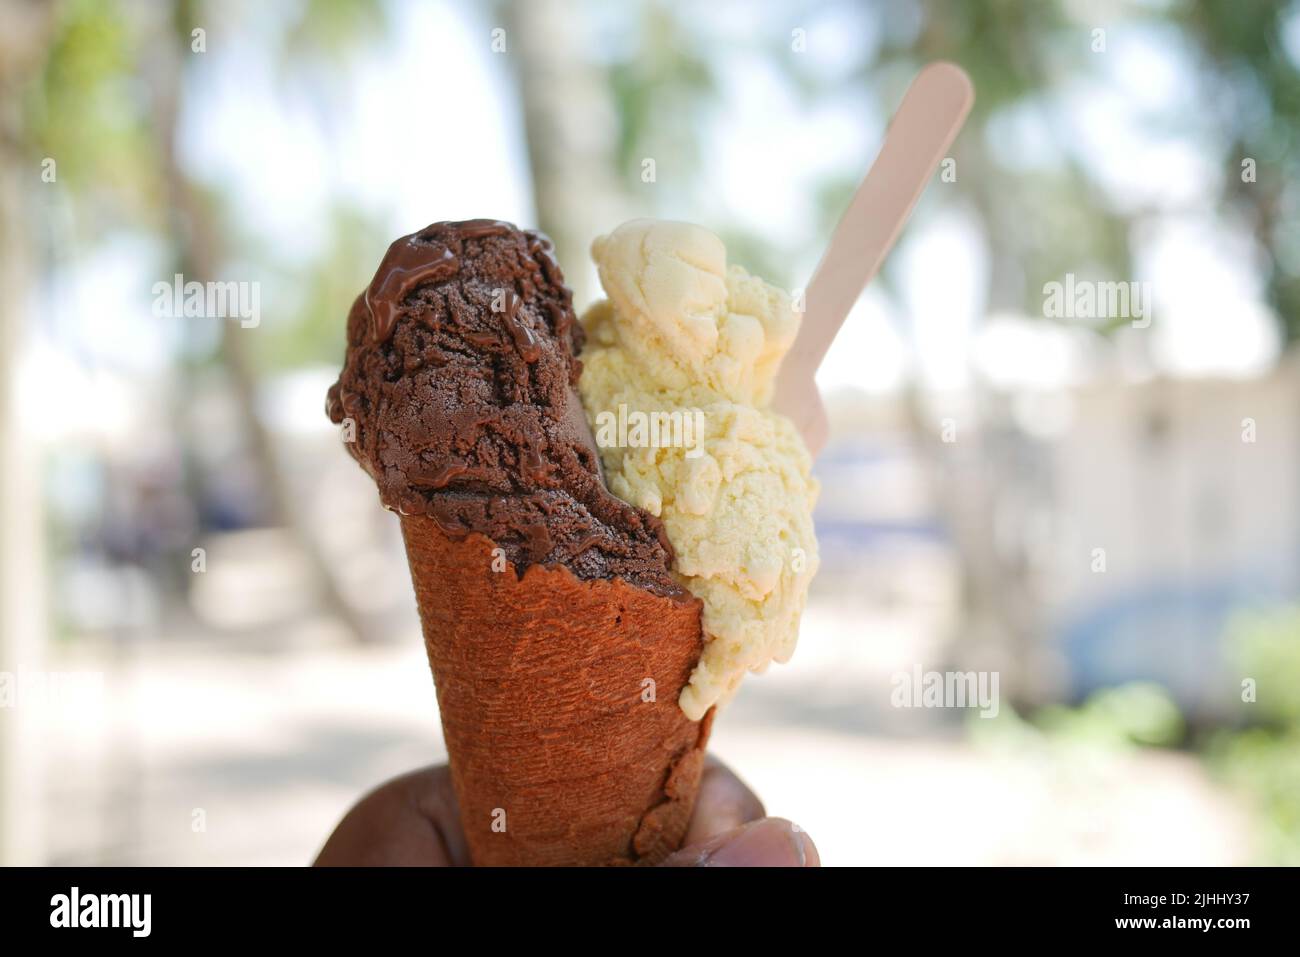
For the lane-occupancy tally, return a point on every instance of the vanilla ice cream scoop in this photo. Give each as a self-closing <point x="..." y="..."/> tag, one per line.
<point x="678" y="374"/>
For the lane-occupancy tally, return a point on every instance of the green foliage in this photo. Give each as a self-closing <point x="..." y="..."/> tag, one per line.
<point x="757" y="256"/>
<point x="1012" y="50"/>
<point x="87" y="110"/>
<point x="310" y="330"/>
<point x="1140" y="713"/>
<point x="1263" y="761"/>
<point x="1020" y="54"/>
<point x="660" y="92"/>
<point x="1258" y="110"/>
<point x="1265" y="765"/>
<point x="1136" y="714"/>
<point x="1266" y="649"/>
<point x="1039" y="223"/>
<point x="91" y="108"/>
<point x="333" y="31"/>
<point x="91" y="111"/>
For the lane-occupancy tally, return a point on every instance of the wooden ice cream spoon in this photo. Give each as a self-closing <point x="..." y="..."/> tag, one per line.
<point x="932" y="112"/>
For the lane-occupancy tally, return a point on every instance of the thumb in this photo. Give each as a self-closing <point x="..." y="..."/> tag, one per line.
<point x="770" y="842"/>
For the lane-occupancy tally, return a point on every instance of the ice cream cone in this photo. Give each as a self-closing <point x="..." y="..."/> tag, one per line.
<point x="559" y="705"/>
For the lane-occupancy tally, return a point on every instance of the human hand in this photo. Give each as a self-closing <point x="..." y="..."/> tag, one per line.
<point x="413" y="821"/>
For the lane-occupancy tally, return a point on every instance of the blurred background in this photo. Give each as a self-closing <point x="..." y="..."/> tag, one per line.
<point x="208" y="646"/>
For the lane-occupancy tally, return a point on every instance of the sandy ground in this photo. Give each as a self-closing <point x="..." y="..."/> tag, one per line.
<point x="247" y="752"/>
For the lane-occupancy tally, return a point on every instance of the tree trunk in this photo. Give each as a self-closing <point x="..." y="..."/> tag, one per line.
<point x="196" y="238"/>
<point x="569" y="120"/>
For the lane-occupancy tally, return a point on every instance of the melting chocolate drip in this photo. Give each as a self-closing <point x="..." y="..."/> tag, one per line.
<point x="479" y="228"/>
<point x="408" y="263"/>
<point x="561" y="318"/>
<point x="417" y="259"/>
<point x="436" y="478"/>
<point x="539" y="247"/>
<point x="530" y="349"/>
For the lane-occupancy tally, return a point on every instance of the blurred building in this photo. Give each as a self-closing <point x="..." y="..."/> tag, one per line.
<point x="1189" y="486"/>
<point x="1110" y="543"/>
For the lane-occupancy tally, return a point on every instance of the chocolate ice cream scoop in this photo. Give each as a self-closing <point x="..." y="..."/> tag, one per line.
<point x="459" y="384"/>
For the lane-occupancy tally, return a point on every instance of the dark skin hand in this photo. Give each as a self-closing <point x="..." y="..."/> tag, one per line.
<point x="413" y="821"/>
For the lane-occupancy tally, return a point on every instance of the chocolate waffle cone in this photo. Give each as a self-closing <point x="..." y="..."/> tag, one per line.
<point x="559" y="705"/>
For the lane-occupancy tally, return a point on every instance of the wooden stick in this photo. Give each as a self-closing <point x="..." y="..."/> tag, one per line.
<point x="933" y="110"/>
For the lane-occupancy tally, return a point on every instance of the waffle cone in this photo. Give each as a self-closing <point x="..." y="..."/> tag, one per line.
<point x="559" y="705"/>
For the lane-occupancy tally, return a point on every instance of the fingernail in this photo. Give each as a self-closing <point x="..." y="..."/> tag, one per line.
<point x="768" y="843"/>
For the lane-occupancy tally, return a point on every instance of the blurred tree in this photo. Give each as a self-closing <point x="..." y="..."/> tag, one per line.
<point x="661" y="61"/>
<point x="567" y="117"/>
<point x="308" y="333"/>
<point x="322" y="28"/>
<point x="107" y="102"/>
<point x="1257" y="112"/>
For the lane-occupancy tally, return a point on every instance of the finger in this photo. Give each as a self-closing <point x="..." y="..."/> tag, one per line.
<point x="410" y="821"/>
<point x="436" y="800"/>
<point x="724" y="803"/>
<point x="771" y="842"/>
